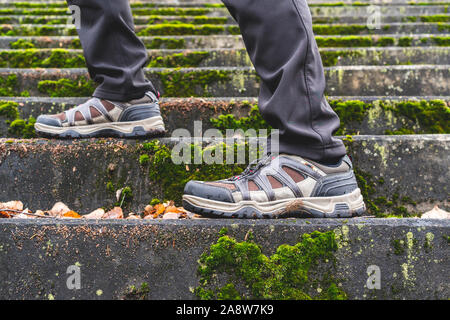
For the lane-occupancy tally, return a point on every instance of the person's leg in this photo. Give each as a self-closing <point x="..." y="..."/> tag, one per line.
<point x="114" y="55"/>
<point x="311" y="177"/>
<point x="125" y="104"/>
<point x="280" y="41"/>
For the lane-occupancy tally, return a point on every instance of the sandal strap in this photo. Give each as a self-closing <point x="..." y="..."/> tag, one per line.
<point x="85" y="110"/>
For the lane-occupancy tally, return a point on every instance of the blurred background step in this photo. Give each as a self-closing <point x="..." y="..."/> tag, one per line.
<point x="155" y="19"/>
<point x="233" y="41"/>
<point x="359" y="115"/>
<point x="169" y="58"/>
<point x="415" y="80"/>
<point x="70" y="171"/>
<point x="207" y="29"/>
<point x="186" y="10"/>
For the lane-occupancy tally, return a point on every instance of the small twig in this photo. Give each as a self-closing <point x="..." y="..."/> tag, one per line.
<point x="16" y="212"/>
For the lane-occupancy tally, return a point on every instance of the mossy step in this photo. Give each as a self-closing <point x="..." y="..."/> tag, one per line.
<point x="233" y="41"/>
<point x="150" y="20"/>
<point x="417" y="80"/>
<point x="210" y="29"/>
<point x="373" y="115"/>
<point x="316" y="11"/>
<point x="218" y="4"/>
<point x="404" y="175"/>
<point x="171" y="260"/>
<point x="60" y="58"/>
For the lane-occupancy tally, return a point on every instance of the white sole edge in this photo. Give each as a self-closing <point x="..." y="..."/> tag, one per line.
<point x="124" y="127"/>
<point x="353" y="200"/>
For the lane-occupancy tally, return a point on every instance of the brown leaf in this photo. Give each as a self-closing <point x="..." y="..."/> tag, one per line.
<point x="59" y="209"/>
<point x="12" y="205"/>
<point x="173" y="209"/>
<point x="71" y="214"/>
<point x="115" y="213"/>
<point x="97" y="214"/>
<point x="133" y="216"/>
<point x="171" y="216"/>
<point x="4" y="214"/>
<point x="160" y="208"/>
<point x="149" y="210"/>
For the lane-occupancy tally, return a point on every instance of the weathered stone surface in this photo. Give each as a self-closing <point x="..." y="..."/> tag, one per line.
<point x="410" y="171"/>
<point x="416" y="80"/>
<point x="181" y="113"/>
<point x="412" y="255"/>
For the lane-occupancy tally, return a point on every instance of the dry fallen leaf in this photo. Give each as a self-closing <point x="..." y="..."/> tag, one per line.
<point x="436" y="213"/>
<point x="12" y="205"/>
<point x="160" y="208"/>
<point x="71" y="214"/>
<point x="115" y="213"/>
<point x="97" y="214"/>
<point x="133" y="216"/>
<point x="149" y="210"/>
<point x="58" y="209"/>
<point x="171" y="216"/>
<point x="173" y="209"/>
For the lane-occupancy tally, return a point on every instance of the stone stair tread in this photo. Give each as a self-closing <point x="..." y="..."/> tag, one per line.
<point x="72" y="170"/>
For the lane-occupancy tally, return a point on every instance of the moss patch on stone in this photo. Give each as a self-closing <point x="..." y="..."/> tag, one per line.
<point x="181" y="29"/>
<point x="426" y="116"/>
<point x="233" y="270"/>
<point x="32" y="58"/>
<point x="191" y="84"/>
<point x="173" y="177"/>
<point x="67" y="87"/>
<point x="176" y="60"/>
<point x="18" y="127"/>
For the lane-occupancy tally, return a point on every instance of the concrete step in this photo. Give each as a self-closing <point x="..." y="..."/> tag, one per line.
<point x="411" y="10"/>
<point x="232" y="41"/>
<point x="149" y="20"/>
<point x="399" y="175"/>
<point x="425" y="80"/>
<point x="167" y="58"/>
<point x="367" y="115"/>
<point x="204" y="29"/>
<point x="218" y="3"/>
<point x="160" y="259"/>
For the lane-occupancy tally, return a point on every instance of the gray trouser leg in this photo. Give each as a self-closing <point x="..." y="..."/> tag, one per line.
<point x="279" y="39"/>
<point x="114" y="55"/>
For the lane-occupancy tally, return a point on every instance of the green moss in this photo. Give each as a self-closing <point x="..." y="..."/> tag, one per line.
<point x="439" y="41"/>
<point x="209" y="20"/>
<point x="355" y="41"/>
<point x="399" y="247"/>
<point x="134" y="293"/>
<point x="173" y="177"/>
<point x="339" y="29"/>
<point x="172" y="11"/>
<point x="67" y="87"/>
<point x="144" y="159"/>
<point x="187" y="84"/>
<point x="185" y="59"/>
<point x="181" y="29"/>
<point x="32" y="58"/>
<point x="166" y="43"/>
<point x="155" y="202"/>
<point x="432" y="116"/>
<point x="443" y="27"/>
<point x="229" y="121"/>
<point x="436" y="18"/>
<point x="405" y="41"/>
<point x="21" y="128"/>
<point x="289" y="274"/>
<point x="22" y="44"/>
<point x="9" y="109"/>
